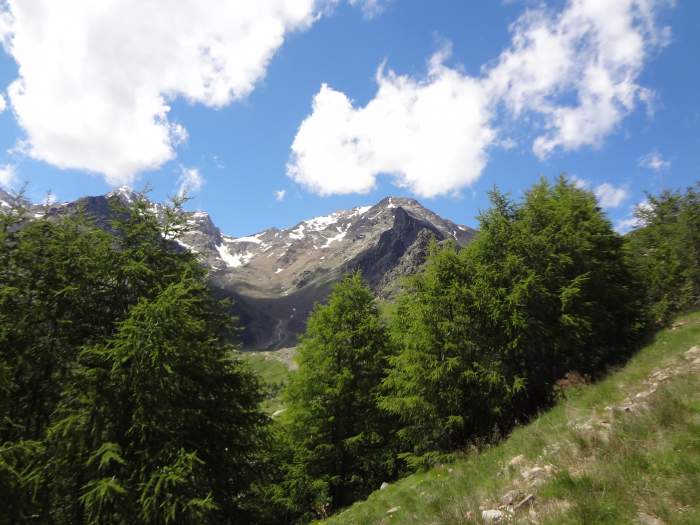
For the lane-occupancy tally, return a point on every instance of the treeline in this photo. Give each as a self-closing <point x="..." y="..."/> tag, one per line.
<point x="120" y="401"/>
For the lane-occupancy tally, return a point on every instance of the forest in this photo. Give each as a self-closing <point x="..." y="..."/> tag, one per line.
<point x="123" y="398"/>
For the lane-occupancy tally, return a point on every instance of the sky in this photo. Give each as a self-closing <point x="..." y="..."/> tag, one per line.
<point x="274" y="111"/>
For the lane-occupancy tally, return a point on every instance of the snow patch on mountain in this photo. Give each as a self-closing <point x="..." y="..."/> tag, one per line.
<point x="297" y="233"/>
<point x="322" y="223"/>
<point x="124" y="194"/>
<point x="318" y="224"/>
<point x="185" y="245"/>
<point x="335" y="238"/>
<point x="233" y="260"/>
<point x="251" y="238"/>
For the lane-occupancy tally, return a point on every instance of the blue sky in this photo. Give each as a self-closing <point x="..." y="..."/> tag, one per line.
<point x="98" y="98"/>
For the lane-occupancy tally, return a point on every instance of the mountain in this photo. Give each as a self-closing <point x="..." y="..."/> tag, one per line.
<point x="276" y="276"/>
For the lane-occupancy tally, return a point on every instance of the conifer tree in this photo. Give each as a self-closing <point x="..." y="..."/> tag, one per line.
<point x="485" y="333"/>
<point x="160" y="425"/>
<point x="121" y="403"/>
<point x="340" y="438"/>
<point x="445" y="384"/>
<point x="666" y="250"/>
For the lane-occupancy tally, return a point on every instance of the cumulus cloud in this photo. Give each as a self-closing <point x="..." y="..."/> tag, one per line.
<point x="3" y="104"/>
<point x="96" y="79"/>
<point x="573" y="73"/>
<point x="654" y="162"/>
<point x="8" y="176"/>
<point x="190" y="181"/>
<point x="280" y="194"/>
<point x="430" y="134"/>
<point x="592" y="52"/>
<point x="610" y="196"/>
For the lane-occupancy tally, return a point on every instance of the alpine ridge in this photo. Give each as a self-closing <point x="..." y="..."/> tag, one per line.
<point x="275" y="276"/>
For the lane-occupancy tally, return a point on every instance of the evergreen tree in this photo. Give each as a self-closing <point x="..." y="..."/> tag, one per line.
<point x="160" y="424"/>
<point x="53" y="298"/>
<point x="485" y="333"/>
<point x="340" y="438"/>
<point x="445" y="384"/>
<point x="121" y="403"/>
<point x="559" y="286"/>
<point x="666" y="248"/>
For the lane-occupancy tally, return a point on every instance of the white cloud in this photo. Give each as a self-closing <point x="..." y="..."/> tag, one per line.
<point x="430" y="134"/>
<point x="96" y="79"/>
<point x="508" y="144"/>
<point x="628" y="223"/>
<point x="190" y="181"/>
<point x="579" y="182"/>
<point x="607" y="194"/>
<point x="8" y="175"/>
<point x="631" y="221"/>
<point x="280" y="194"/>
<point x="3" y="104"/>
<point x="610" y="196"/>
<point x="371" y="8"/>
<point x="575" y="70"/>
<point x="592" y="52"/>
<point x="655" y="162"/>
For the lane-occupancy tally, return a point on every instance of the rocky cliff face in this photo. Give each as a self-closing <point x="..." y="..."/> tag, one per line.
<point x="276" y="276"/>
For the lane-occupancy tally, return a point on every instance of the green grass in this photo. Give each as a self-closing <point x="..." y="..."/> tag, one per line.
<point x="650" y="461"/>
<point x="273" y="373"/>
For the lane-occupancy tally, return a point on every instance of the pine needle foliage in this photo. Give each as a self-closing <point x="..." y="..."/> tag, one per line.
<point x="484" y="333"/>
<point x="121" y="402"/>
<point x="666" y="247"/>
<point x="340" y="439"/>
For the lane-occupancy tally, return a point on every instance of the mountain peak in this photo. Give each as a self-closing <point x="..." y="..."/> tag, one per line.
<point x="394" y="202"/>
<point x="124" y="193"/>
<point x="276" y="276"/>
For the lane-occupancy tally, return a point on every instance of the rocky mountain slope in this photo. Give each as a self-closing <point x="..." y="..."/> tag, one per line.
<point x="276" y="276"/>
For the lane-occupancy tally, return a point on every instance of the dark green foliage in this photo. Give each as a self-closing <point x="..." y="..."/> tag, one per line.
<point x="339" y="438"/>
<point x="556" y="284"/>
<point x="161" y="425"/>
<point x="667" y="251"/>
<point x="120" y="401"/>
<point x="486" y="332"/>
<point x="53" y="298"/>
<point x="444" y="384"/>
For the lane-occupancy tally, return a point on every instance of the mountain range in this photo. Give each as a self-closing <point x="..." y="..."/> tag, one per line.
<point x="275" y="276"/>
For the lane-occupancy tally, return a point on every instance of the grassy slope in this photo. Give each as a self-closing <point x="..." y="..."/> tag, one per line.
<point x="273" y="373"/>
<point x="648" y="462"/>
